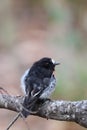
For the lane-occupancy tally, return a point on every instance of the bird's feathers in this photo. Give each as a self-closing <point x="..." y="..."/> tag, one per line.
<point x="38" y="82"/>
<point x="23" y="81"/>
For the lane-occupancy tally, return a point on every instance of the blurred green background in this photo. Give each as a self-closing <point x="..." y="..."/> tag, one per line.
<point x="32" y="29"/>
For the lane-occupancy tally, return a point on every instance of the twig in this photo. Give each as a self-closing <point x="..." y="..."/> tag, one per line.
<point x="5" y="91"/>
<point x="17" y="116"/>
<point x="13" y="121"/>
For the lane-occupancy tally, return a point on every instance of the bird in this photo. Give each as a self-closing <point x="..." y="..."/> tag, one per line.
<point x="38" y="82"/>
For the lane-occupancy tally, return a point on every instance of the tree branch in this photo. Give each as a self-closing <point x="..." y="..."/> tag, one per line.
<point x="75" y="111"/>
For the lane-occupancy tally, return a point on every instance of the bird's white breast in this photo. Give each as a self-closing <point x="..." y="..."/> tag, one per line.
<point x="23" y="86"/>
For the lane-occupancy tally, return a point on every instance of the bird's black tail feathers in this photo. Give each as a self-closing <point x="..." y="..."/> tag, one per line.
<point x="29" y="105"/>
<point x="26" y="107"/>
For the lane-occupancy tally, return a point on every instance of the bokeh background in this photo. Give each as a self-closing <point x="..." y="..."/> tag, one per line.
<point x="32" y="29"/>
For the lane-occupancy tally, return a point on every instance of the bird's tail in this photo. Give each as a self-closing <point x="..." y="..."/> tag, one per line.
<point x="28" y="104"/>
<point x="25" y="110"/>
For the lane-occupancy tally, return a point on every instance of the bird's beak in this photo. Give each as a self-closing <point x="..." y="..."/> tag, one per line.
<point x="56" y="63"/>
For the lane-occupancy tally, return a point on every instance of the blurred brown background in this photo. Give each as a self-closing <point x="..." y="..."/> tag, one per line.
<point x="32" y="29"/>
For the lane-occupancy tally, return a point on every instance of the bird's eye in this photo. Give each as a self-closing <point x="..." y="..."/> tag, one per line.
<point x="46" y="65"/>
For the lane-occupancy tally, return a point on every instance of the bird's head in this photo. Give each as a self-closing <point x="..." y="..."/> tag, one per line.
<point x="47" y="64"/>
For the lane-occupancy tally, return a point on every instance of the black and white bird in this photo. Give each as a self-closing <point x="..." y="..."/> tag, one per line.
<point x="38" y="82"/>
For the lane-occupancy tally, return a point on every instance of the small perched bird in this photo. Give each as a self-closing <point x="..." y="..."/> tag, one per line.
<point x="38" y="82"/>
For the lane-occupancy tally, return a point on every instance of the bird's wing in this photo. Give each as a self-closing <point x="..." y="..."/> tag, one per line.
<point x="33" y="92"/>
<point x="48" y="81"/>
<point x="34" y="88"/>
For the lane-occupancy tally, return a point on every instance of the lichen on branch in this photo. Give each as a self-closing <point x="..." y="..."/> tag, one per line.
<point x="75" y="111"/>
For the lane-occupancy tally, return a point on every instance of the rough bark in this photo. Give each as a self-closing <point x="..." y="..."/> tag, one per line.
<point x="75" y="111"/>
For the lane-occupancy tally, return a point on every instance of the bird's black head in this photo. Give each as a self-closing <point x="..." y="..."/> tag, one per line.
<point x="46" y="65"/>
